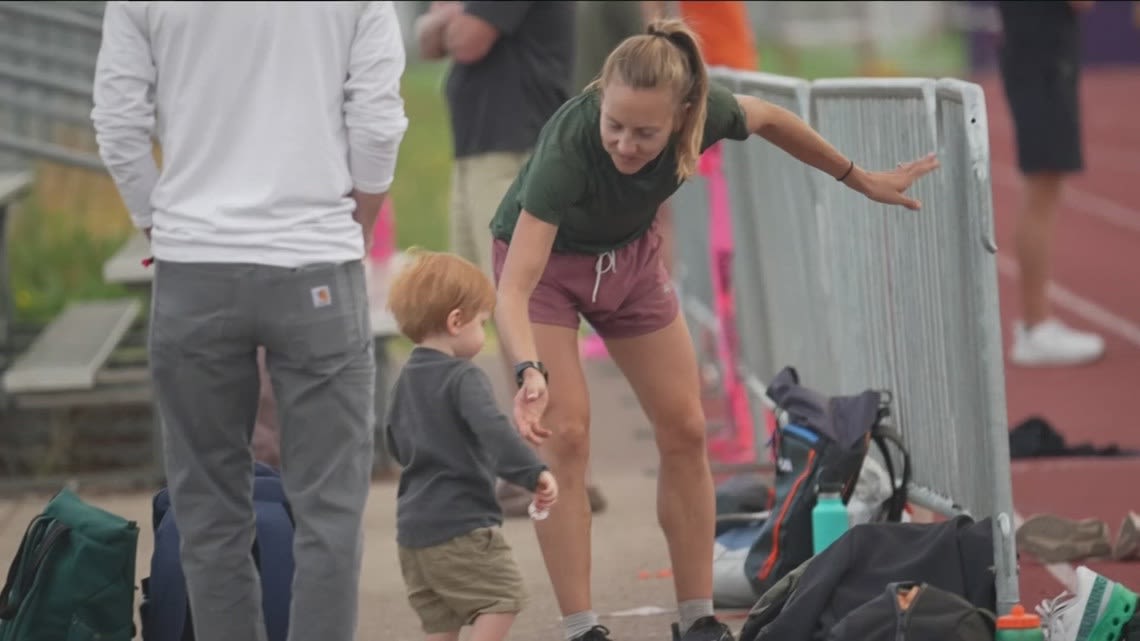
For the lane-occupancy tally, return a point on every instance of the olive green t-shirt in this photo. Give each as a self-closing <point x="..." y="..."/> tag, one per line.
<point x="570" y="180"/>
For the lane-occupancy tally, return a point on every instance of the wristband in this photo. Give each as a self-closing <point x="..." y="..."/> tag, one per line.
<point x="847" y="173"/>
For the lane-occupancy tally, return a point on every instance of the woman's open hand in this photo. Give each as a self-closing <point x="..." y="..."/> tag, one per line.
<point x="530" y="405"/>
<point x="889" y="187"/>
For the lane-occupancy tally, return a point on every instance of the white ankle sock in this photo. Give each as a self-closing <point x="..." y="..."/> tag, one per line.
<point x="579" y="623"/>
<point x="692" y="610"/>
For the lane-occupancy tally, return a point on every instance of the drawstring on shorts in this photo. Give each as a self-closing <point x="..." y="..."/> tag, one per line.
<point x="600" y="268"/>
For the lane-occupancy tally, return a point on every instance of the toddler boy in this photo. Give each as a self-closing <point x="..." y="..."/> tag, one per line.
<point x="452" y="441"/>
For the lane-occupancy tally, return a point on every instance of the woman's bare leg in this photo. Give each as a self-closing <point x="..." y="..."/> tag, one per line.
<point x="661" y="367"/>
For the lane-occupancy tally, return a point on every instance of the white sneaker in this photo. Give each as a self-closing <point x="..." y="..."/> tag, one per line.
<point x="1098" y="612"/>
<point x="1051" y="342"/>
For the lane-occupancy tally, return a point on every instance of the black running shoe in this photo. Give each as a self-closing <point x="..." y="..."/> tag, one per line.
<point x="596" y="633"/>
<point x="705" y="629"/>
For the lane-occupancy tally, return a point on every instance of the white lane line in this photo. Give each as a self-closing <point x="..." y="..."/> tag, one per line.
<point x="1083" y="202"/>
<point x="1080" y="306"/>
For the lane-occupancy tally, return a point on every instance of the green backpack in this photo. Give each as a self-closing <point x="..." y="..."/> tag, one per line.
<point x="73" y="578"/>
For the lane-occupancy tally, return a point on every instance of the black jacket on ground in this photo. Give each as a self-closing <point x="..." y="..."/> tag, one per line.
<point x="955" y="555"/>
<point x="933" y="615"/>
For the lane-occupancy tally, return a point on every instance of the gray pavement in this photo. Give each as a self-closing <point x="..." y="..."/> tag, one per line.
<point x="627" y="542"/>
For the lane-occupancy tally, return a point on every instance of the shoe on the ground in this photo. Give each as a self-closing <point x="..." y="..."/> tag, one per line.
<point x="1055" y="539"/>
<point x="1127" y="546"/>
<point x="596" y="633"/>
<point x="1052" y="343"/>
<point x="597" y="501"/>
<point x="513" y="500"/>
<point x="704" y="629"/>
<point x="1098" y="612"/>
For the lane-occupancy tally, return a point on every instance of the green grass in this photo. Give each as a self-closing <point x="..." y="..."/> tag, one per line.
<point x="421" y="194"/>
<point x="54" y="259"/>
<point x="74" y="222"/>
<point x="941" y="55"/>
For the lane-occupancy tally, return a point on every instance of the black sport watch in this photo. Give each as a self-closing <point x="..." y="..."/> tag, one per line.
<point x="522" y="367"/>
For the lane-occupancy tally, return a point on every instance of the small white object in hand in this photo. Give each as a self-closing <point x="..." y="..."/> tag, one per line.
<point x="536" y="513"/>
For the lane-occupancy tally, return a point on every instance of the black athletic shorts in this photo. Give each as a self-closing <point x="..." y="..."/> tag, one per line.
<point x="1040" y="68"/>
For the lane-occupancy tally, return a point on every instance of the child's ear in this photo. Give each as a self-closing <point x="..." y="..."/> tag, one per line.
<point x="454" y="322"/>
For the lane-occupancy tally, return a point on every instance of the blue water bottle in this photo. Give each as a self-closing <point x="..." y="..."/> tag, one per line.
<point x="828" y="517"/>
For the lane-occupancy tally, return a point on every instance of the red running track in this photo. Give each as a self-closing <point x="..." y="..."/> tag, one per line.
<point x="1096" y="277"/>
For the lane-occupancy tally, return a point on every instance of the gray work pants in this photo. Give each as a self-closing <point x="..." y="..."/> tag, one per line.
<point x="207" y="321"/>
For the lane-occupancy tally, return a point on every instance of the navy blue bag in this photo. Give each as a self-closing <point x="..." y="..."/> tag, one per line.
<point x="165" y="608"/>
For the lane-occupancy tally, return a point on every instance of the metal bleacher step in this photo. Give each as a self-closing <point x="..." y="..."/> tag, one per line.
<point x="69" y="353"/>
<point x="14" y="184"/>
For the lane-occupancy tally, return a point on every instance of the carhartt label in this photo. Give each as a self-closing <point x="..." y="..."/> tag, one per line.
<point x="322" y="297"/>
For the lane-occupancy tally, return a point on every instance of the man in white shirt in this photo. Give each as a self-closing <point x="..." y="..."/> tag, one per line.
<point x="279" y="125"/>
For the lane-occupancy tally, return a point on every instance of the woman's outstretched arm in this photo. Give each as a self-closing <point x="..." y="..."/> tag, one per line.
<point x="790" y="133"/>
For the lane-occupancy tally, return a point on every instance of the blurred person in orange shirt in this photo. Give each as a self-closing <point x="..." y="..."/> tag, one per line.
<point x="723" y="28"/>
<point x="725" y="33"/>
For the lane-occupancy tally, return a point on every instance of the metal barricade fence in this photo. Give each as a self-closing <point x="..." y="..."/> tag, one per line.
<point x="858" y="295"/>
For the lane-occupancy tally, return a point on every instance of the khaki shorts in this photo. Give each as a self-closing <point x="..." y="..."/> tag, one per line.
<point x="452" y="583"/>
<point x="478" y="184"/>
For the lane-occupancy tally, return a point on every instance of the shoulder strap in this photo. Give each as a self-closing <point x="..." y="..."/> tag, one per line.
<point x="897" y="503"/>
<point x="9" y="602"/>
<point x="40" y="540"/>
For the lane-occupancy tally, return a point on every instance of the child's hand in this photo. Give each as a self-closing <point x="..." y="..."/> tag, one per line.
<point x="546" y="492"/>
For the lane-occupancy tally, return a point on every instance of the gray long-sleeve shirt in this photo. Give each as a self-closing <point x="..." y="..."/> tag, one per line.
<point x="452" y="441"/>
